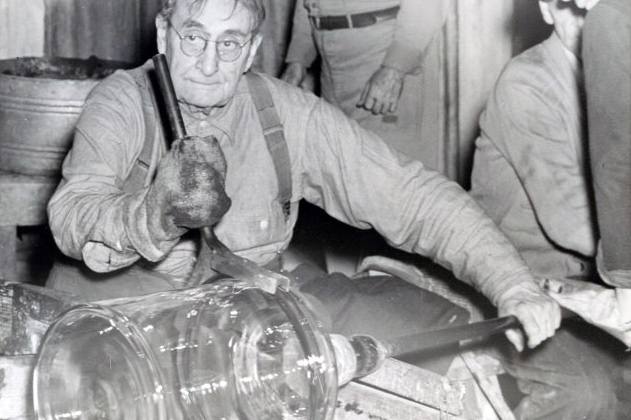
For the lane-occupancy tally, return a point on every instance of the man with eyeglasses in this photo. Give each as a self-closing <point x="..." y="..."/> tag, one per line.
<point x="244" y="169"/>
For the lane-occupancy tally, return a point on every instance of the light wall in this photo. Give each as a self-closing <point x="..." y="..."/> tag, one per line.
<point x="480" y="37"/>
<point x="21" y="28"/>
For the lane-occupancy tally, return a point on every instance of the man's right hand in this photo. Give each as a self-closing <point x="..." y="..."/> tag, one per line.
<point x="189" y="189"/>
<point x="538" y="313"/>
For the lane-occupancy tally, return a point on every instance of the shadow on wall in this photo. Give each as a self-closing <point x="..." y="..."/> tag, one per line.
<point x="530" y="29"/>
<point x="82" y="28"/>
<point x="526" y="28"/>
<point x="276" y="33"/>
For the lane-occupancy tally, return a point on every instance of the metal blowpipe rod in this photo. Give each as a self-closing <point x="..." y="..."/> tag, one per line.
<point x="436" y="338"/>
<point x="168" y="94"/>
<point x="175" y="118"/>
<point x="370" y="353"/>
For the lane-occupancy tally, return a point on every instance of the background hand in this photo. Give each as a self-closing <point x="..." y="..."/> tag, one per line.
<point x="382" y="92"/>
<point x="539" y="314"/>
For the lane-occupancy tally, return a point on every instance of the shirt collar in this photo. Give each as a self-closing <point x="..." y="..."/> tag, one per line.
<point x="228" y="117"/>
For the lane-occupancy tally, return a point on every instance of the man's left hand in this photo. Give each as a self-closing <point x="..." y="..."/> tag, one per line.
<point x="382" y="92"/>
<point x="538" y="314"/>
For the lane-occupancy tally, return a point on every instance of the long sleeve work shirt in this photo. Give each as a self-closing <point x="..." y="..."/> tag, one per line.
<point x="348" y="171"/>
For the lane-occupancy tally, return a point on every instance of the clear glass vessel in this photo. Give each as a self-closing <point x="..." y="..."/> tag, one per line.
<point x="227" y="350"/>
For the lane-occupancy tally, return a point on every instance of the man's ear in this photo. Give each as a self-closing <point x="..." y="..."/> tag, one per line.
<point x="256" y="43"/>
<point x="544" y="6"/>
<point x="162" y="26"/>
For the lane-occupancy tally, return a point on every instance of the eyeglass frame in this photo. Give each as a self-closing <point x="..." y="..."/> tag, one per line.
<point x="216" y="42"/>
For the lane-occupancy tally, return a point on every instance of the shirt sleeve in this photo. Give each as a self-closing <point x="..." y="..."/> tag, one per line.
<point x="89" y="214"/>
<point x="418" y="22"/>
<point x="302" y="48"/>
<point x="358" y="179"/>
<point x="530" y="130"/>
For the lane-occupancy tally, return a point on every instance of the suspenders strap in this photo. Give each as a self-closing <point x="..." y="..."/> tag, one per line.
<point x="274" y="137"/>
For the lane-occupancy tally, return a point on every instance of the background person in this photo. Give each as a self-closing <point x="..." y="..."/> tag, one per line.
<point x="607" y="63"/>
<point x="530" y="174"/>
<point x="371" y="58"/>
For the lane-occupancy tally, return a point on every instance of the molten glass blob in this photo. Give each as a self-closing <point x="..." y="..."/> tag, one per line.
<point x="227" y="350"/>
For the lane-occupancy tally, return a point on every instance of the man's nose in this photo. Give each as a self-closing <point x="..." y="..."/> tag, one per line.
<point x="209" y="60"/>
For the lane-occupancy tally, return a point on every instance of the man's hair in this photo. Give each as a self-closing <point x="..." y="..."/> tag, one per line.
<point x="254" y="6"/>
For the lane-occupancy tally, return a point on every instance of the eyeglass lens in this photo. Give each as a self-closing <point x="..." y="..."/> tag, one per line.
<point x="227" y="49"/>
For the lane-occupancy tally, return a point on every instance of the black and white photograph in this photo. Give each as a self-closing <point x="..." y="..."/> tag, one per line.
<point x="315" y="209"/>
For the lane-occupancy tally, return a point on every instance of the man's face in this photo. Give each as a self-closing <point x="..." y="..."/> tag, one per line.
<point x="205" y="81"/>
<point x="568" y="20"/>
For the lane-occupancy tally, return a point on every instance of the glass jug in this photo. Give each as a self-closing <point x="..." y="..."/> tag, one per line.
<point x="226" y="350"/>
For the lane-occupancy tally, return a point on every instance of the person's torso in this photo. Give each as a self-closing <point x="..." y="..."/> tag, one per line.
<point x="255" y="226"/>
<point x="498" y="188"/>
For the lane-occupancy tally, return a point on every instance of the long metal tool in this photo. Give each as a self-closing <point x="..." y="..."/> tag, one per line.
<point x="371" y="352"/>
<point x="224" y="260"/>
<point x="435" y="338"/>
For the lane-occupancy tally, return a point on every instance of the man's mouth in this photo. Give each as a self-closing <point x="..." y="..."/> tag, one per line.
<point x="204" y="82"/>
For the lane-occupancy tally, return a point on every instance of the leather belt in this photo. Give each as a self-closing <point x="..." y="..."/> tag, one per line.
<point x="358" y="20"/>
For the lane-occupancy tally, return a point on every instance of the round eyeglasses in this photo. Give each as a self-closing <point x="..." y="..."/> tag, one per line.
<point x="228" y="48"/>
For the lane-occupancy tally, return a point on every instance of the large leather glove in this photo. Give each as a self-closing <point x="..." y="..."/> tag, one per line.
<point x="538" y="314"/>
<point x="188" y="191"/>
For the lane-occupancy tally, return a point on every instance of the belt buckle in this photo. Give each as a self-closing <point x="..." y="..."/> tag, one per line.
<point x="349" y="20"/>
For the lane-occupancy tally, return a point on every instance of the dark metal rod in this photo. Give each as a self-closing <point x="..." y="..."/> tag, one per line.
<point x="226" y="261"/>
<point x="177" y="127"/>
<point x="429" y="339"/>
<point x="168" y="94"/>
